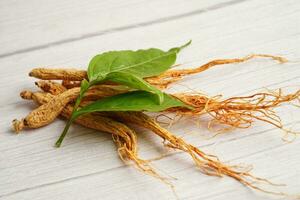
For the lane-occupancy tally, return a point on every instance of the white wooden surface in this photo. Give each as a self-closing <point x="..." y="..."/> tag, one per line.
<point x="68" y="32"/>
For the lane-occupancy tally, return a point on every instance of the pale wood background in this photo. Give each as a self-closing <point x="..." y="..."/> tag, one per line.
<point x="68" y="33"/>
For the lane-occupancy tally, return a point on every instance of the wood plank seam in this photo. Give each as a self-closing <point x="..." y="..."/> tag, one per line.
<point x="123" y="28"/>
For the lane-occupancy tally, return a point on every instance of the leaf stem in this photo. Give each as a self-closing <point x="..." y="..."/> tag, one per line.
<point x="72" y="118"/>
<point x="70" y="121"/>
<point x="63" y="134"/>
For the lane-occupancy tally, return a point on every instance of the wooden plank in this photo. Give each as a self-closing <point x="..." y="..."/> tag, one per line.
<point x="88" y="164"/>
<point x="34" y="25"/>
<point x="269" y="159"/>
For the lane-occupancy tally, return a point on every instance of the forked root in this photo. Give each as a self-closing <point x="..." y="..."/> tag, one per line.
<point x="207" y="164"/>
<point x="47" y="112"/>
<point x="238" y="112"/>
<point x="172" y="76"/>
<point x="184" y="72"/>
<point x="235" y="112"/>
<point x="124" y="137"/>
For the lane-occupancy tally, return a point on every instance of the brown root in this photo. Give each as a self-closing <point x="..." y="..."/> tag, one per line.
<point x="124" y="137"/>
<point x="53" y="106"/>
<point x="72" y="77"/>
<point x="70" y="84"/>
<point x="47" y="112"/>
<point x="126" y="143"/>
<point x="172" y="76"/>
<point x="162" y="83"/>
<point x="235" y="112"/>
<point x="238" y="112"/>
<point x="51" y="87"/>
<point x="207" y="164"/>
<point x="184" y="72"/>
<point x="94" y="93"/>
<point x="58" y="74"/>
<point x="17" y="125"/>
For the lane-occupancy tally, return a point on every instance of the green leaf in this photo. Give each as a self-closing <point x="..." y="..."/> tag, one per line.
<point x="84" y="86"/>
<point x="127" y="68"/>
<point x="131" y="101"/>
<point x="133" y="81"/>
<point x="143" y="63"/>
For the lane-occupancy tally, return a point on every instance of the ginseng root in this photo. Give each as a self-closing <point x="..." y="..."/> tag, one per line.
<point x="72" y="77"/>
<point x="238" y="112"/>
<point x="58" y="74"/>
<point x="161" y="81"/>
<point x="184" y="72"/>
<point x="51" y="87"/>
<point x="235" y="112"/>
<point x="94" y="93"/>
<point x="208" y="164"/>
<point x="124" y="137"/>
<point x="70" y="84"/>
<point x="47" y="112"/>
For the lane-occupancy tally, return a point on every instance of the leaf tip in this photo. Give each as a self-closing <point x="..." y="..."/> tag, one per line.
<point x="178" y="49"/>
<point x="185" y="45"/>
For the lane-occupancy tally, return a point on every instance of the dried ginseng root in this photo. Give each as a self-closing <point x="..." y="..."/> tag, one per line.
<point x="94" y="93"/>
<point x="70" y="84"/>
<point x="132" y="80"/>
<point x="72" y="76"/>
<point x="235" y="112"/>
<point x="46" y="113"/>
<point x="124" y="137"/>
<point x="208" y="164"/>
<point x="58" y="74"/>
<point x="184" y="72"/>
<point x="238" y="112"/>
<point x="51" y="87"/>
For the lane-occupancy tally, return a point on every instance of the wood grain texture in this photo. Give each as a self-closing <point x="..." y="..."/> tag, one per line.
<point x="58" y="22"/>
<point x="67" y="33"/>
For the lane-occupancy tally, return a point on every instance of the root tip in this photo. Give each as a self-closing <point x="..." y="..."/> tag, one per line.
<point x="26" y="94"/>
<point x="17" y="125"/>
<point x="283" y="60"/>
